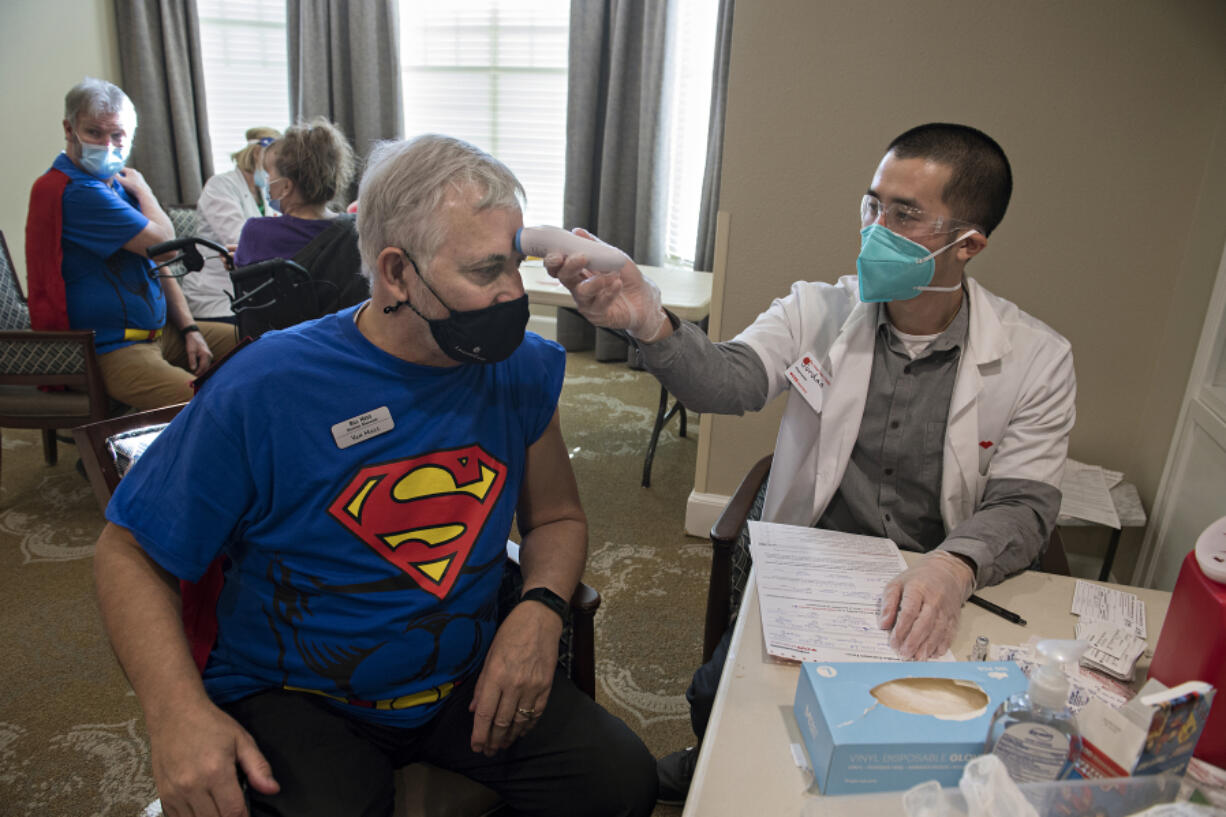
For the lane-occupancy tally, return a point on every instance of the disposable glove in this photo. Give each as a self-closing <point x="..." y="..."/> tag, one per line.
<point x="615" y="300"/>
<point x="922" y="604"/>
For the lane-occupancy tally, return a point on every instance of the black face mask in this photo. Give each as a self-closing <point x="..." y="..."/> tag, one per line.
<point x="486" y="335"/>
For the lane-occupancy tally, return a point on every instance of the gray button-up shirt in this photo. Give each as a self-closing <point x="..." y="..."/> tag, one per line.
<point x="892" y="485"/>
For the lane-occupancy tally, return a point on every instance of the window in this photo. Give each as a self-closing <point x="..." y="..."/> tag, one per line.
<point x="246" y="71"/>
<point x="494" y="74"/>
<point x="687" y="106"/>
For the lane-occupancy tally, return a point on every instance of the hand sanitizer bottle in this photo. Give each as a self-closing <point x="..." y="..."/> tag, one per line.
<point x="1033" y="732"/>
<point x="540" y="241"/>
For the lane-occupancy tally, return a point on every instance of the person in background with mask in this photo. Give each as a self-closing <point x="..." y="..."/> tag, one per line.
<point x="308" y="172"/>
<point x="364" y="470"/>
<point x="938" y="414"/>
<point x="89" y="224"/>
<point x="226" y="202"/>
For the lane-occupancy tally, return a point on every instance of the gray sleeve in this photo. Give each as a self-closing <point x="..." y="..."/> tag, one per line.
<point x="1009" y="530"/>
<point x="721" y="378"/>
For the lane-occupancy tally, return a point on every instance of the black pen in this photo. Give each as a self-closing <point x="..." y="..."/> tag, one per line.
<point x="998" y="610"/>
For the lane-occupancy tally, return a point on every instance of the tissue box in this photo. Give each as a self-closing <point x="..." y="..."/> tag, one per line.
<point x="882" y="726"/>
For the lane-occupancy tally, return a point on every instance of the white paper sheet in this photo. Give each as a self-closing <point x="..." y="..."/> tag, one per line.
<point x="1112" y="478"/>
<point x="1085" y="494"/>
<point x="1093" y="602"/>
<point x="819" y="592"/>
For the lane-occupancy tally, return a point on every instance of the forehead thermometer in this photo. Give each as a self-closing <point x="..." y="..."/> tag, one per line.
<point x="541" y="241"/>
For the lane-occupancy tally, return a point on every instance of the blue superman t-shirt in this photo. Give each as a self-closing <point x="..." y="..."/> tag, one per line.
<point x="364" y="503"/>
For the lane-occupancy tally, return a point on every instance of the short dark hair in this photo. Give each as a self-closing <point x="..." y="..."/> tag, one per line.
<point x="981" y="184"/>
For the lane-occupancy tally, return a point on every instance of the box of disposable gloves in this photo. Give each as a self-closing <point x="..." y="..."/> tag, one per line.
<point x="882" y="726"/>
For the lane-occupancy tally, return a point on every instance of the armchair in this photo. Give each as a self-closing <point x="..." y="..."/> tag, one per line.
<point x="30" y="360"/>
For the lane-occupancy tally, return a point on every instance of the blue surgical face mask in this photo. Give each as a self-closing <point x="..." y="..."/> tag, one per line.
<point x="102" y="161"/>
<point x="260" y="178"/>
<point x="894" y="268"/>
<point x="275" y="204"/>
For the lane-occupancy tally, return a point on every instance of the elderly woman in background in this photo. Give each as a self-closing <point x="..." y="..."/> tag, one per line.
<point x="309" y="171"/>
<point x="225" y="204"/>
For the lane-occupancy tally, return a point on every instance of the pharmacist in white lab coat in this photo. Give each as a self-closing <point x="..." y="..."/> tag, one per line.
<point x="921" y="407"/>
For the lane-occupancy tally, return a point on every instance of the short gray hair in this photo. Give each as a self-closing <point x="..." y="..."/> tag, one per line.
<point x="406" y="183"/>
<point x="93" y="96"/>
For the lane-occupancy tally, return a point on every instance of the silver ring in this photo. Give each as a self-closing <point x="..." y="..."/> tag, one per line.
<point x="529" y="714"/>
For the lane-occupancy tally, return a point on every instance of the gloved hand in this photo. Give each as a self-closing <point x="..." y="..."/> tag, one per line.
<point x="615" y="300"/>
<point x="922" y="605"/>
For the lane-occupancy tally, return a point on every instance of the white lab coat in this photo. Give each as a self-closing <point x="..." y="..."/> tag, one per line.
<point x="1009" y="417"/>
<point x="224" y="206"/>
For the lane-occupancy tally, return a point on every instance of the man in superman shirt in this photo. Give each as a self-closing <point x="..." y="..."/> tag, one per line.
<point x="89" y="224"/>
<point x="360" y="474"/>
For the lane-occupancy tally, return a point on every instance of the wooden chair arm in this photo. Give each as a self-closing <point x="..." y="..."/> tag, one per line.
<point x="724" y="534"/>
<point x="726" y="529"/>
<point x="39" y="334"/>
<point x="583" y="638"/>
<point x="584" y="603"/>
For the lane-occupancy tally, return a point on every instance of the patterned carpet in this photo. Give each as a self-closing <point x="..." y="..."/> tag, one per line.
<point x="72" y="740"/>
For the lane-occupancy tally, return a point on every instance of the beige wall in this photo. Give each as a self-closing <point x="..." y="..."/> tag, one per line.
<point x="1114" y="117"/>
<point x="46" y="47"/>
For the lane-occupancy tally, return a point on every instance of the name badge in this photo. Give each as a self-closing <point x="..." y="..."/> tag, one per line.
<point x="363" y="427"/>
<point x="810" y="379"/>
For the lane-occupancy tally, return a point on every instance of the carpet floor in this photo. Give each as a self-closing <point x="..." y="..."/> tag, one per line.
<point x="72" y="739"/>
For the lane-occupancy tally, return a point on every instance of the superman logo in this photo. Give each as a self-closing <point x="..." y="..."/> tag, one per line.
<point x="423" y="514"/>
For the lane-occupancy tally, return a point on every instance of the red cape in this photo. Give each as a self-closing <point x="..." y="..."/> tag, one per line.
<point x="44" y="253"/>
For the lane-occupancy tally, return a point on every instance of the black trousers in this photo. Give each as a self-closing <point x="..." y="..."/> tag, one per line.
<point x="577" y="760"/>
<point x="701" y="693"/>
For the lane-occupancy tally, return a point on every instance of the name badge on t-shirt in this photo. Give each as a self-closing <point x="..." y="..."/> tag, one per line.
<point x="809" y="378"/>
<point x="363" y="427"/>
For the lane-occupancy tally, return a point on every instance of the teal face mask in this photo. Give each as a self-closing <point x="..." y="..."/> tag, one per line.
<point x="893" y="268"/>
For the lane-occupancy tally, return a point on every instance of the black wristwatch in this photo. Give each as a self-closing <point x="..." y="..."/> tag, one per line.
<point x="550" y="599"/>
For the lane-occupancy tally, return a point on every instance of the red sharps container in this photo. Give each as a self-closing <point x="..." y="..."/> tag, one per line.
<point x="1192" y="645"/>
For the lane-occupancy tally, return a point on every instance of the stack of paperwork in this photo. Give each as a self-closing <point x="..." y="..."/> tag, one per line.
<point x="1113" y="621"/>
<point x="819" y="591"/>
